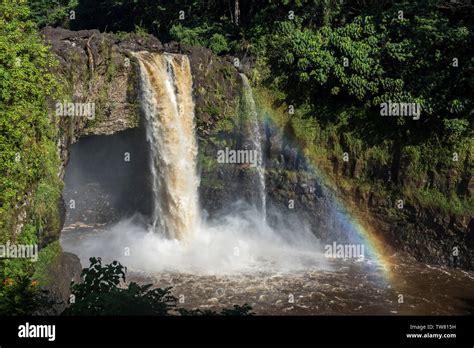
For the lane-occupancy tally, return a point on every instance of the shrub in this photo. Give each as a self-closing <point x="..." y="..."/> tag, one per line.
<point x="103" y="291"/>
<point x="218" y="44"/>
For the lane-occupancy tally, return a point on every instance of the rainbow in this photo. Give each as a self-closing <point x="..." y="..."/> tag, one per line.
<point x="346" y="212"/>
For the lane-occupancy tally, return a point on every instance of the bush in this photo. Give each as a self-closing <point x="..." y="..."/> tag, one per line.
<point x="22" y="296"/>
<point x="190" y="36"/>
<point x="100" y="294"/>
<point x="218" y="44"/>
<point x="104" y="292"/>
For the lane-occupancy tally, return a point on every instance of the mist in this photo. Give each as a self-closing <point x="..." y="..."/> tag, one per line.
<point x="235" y="242"/>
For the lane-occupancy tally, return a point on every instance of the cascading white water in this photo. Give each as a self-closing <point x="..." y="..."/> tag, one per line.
<point x="238" y="239"/>
<point x="256" y="138"/>
<point x="166" y="83"/>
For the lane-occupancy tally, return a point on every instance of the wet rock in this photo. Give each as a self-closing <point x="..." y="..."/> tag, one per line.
<point x="61" y="272"/>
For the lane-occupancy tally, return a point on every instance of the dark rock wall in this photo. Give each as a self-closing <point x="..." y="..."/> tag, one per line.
<point x="428" y="235"/>
<point x="108" y="178"/>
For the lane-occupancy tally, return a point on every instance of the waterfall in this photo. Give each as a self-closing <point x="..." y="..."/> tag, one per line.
<point x="236" y="240"/>
<point x="256" y="139"/>
<point x="166" y="97"/>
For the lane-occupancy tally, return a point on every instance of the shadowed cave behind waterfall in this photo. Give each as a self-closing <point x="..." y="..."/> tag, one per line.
<point x="107" y="179"/>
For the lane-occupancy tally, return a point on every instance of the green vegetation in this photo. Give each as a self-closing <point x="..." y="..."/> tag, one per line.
<point x="22" y="281"/>
<point x="28" y="155"/>
<point x="103" y="292"/>
<point x="29" y="185"/>
<point x="333" y="62"/>
<point x="431" y="181"/>
<point x="47" y="257"/>
<point x="22" y="296"/>
<point x="56" y="13"/>
<point x="336" y="73"/>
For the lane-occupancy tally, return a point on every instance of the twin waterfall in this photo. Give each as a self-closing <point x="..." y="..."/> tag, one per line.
<point x="169" y="111"/>
<point x="167" y="102"/>
<point x="256" y="139"/>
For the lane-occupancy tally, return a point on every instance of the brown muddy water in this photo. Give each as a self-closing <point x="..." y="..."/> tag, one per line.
<point x="346" y="287"/>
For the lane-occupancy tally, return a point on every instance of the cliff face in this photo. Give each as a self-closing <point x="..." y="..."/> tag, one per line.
<point x="427" y="233"/>
<point x="95" y="68"/>
<point x="98" y="68"/>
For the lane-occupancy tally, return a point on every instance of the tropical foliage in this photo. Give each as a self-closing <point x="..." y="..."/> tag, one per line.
<point x="104" y="291"/>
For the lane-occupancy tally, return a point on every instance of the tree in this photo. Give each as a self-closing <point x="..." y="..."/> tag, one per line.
<point x="28" y="155"/>
<point x="406" y="53"/>
<point x="52" y="12"/>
